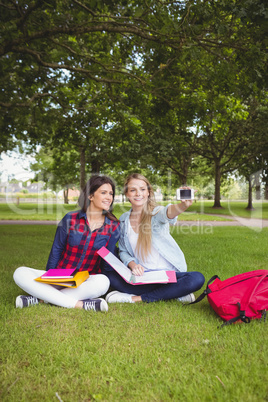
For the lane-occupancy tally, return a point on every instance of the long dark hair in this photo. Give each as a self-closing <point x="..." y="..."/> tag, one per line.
<point x="92" y="185"/>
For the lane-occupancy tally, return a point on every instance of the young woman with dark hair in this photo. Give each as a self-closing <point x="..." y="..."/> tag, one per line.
<point x="79" y="236"/>
<point x="145" y="244"/>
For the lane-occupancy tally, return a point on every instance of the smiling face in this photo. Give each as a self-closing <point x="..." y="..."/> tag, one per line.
<point x="102" y="198"/>
<point x="137" y="192"/>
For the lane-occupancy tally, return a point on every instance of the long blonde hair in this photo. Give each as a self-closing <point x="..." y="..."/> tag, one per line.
<point x="144" y="242"/>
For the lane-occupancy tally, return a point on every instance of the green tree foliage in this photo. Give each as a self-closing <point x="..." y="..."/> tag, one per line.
<point x="112" y="43"/>
<point x="253" y="161"/>
<point x="113" y="80"/>
<point x="58" y="169"/>
<point x="207" y="91"/>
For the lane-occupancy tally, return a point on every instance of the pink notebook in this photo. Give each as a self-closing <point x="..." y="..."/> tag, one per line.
<point x="59" y="273"/>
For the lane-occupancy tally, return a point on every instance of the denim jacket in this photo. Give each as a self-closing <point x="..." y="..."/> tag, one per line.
<point x="161" y="240"/>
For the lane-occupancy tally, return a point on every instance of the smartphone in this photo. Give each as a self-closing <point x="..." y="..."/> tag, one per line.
<point x="184" y="194"/>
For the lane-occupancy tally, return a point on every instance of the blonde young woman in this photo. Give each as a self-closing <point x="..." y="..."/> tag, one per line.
<point x="145" y="244"/>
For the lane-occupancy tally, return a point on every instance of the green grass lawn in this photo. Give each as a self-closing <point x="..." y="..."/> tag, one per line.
<point x="139" y="352"/>
<point x="202" y="211"/>
<point x="234" y="208"/>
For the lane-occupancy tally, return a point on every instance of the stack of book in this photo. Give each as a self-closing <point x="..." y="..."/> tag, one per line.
<point x="70" y="278"/>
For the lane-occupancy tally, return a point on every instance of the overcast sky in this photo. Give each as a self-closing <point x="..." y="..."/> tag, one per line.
<point x="15" y="164"/>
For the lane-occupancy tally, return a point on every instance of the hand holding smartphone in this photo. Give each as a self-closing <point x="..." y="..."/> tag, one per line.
<point x="185" y="194"/>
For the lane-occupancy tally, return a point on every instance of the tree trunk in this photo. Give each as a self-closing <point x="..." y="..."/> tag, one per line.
<point x="185" y="168"/>
<point x="95" y="166"/>
<point x="250" y="204"/>
<point x="217" y="197"/>
<point x="65" y="195"/>
<point x="82" y="167"/>
<point x="257" y="186"/>
<point x="183" y="178"/>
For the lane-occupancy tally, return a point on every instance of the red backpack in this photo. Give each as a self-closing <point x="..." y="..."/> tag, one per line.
<point x="240" y="298"/>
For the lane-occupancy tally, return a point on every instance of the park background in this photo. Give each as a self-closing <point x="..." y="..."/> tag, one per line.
<point x="176" y="91"/>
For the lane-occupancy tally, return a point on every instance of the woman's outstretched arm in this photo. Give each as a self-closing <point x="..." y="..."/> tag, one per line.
<point x="177" y="209"/>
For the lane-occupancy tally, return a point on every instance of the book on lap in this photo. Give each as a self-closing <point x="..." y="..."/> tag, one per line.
<point x="59" y="273"/>
<point x="73" y="282"/>
<point x="157" y="276"/>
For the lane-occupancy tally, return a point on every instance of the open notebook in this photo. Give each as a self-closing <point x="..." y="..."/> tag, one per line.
<point x="157" y="276"/>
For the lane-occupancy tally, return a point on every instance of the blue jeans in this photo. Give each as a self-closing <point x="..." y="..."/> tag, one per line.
<point x="187" y="282"/>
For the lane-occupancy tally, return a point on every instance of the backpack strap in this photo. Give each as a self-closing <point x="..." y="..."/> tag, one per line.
<point x="242" y="316"/>
<point x="206" y="291"/>
<point x="263" y="315"/>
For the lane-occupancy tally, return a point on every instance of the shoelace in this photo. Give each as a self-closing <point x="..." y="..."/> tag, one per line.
<point x="32" y="300"/>
<point x="89" y="306"/>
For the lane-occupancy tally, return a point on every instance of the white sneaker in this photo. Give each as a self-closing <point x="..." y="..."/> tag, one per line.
<point x="187" y="299"/>
<point x="118" y="297"/>
<point x="26" y="301"/>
